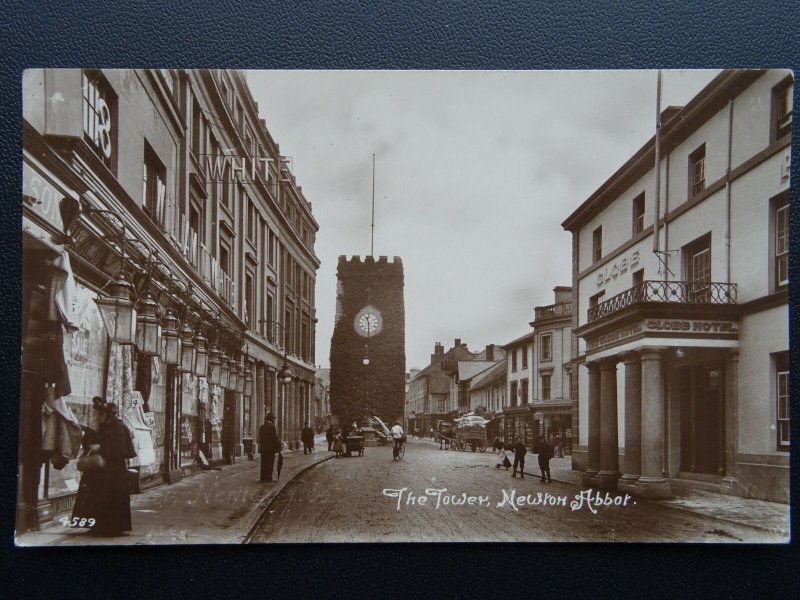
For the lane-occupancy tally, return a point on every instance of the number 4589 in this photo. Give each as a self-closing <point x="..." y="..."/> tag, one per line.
<point x="77" y="522"/>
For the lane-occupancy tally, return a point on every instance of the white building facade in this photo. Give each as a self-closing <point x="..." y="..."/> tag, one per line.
<point x="683" y="338"/>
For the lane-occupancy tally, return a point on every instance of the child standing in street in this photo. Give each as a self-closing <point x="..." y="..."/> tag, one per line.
<point x="502" y="458"/>
<point x="519" y="458"/>
<point x="545" y="454"/>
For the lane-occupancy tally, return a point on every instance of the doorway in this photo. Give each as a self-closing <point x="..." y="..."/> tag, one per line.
<point x="702" y="419"/>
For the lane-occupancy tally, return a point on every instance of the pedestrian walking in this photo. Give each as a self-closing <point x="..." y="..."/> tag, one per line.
<point x="558" y="450"/>
<point x="337" y="443"/>
<point x="545" y="454"/>
<point x="502" y="459"/>
<point x="329" y="435"/>
<point x="307" y="437"/>
<point x="105" y="501"/>
<point x="269" y="446"/>
<point x="519" y="458"/>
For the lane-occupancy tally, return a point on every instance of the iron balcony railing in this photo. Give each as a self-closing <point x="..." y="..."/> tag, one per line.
<point x="682" y="292"/>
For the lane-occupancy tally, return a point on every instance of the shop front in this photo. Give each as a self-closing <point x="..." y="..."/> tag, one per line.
<point x="555" y="420"/>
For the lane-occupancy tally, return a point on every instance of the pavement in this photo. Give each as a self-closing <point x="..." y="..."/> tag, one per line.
<point x="211" y="507"/>
<point x="749" y="512"/>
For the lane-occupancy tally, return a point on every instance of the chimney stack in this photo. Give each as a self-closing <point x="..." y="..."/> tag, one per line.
<point x="458" y="343"/>
<point x="490" y="352"/>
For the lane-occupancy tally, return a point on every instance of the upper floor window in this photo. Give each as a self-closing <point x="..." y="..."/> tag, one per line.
<point x="154" y="187"/>
<point x="198" y="129"/>
<point x="514" y="396"/>
<point x="514" y="360"/>
<point x="272" y="247"/>
<point x="524" y="392"/>
<point x="597" y="244"/>
<point x="782" y="242"/>
<point x="782" y="394"/>
<point x="546" y="347"/>
<point x="698" y="269"/>
<point x="546" y="387"/>
<point x="524" y="352"/>
<point x="638" y="214"/>
<point x="194" y="234"/>
<point x="99" y="116"/>
<point x="782" y="105"/>
<point x="252" y="221"/>
<point x="248" y="314"/>
<point x="697" y="171"/>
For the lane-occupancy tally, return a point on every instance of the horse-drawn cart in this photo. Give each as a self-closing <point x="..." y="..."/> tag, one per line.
<point x="470" y="432"/>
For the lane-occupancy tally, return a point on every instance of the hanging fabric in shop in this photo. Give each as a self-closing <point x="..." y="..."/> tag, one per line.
<point x="138" y="420"/>
<point x="119" y="383"/>
<point x="61" y="431"/>
<point x="64" y="291"/>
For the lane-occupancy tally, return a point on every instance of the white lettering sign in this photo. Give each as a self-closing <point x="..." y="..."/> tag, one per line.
<point x="618" y="267"/>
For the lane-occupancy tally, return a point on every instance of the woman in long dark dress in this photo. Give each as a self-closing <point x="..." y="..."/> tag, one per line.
<point x="106" y="496"/>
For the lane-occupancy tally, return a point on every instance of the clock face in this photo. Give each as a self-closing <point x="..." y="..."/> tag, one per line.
<point x="368" y="322"/>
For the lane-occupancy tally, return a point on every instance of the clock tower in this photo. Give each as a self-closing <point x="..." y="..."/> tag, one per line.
<point x="368" y="360"/>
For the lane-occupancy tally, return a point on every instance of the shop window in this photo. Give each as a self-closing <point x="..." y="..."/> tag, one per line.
<point x="546" y="392"/>
<point x="697" y="171"/>
<point x="782" y="394"/>
<point x="99" y="117"/>
<point x="154" y="187"/>
<point x="782" y="105"/>
<point x="638" y="214"/>
<point x="545" y="347"/>
<point x="781" y="227"/>
<point x="597" y="244"/>
<point x="698" y="270"/>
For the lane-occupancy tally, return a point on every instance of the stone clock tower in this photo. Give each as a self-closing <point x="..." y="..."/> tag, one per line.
<point x="368" y="360"/>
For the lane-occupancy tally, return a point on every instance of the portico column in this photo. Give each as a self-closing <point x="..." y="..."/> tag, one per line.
<point x="609" y="435"/>
<point x="593" y="464"/>
<point x="652" y="480"/>
<point x="633" y="417"/>
<point x="731" y="414"/>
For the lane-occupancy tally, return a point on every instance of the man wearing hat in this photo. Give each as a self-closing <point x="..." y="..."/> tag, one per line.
<point x="268" y="445"/>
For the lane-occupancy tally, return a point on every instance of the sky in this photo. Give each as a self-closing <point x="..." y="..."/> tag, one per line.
<point x="474" y="173"/>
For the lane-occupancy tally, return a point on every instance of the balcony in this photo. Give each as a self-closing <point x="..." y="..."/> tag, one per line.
<point x="543" y="313"/>
<point x="675" y="292"/>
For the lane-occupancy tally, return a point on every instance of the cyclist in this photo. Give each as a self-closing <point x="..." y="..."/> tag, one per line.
<point x="397" y="438"/>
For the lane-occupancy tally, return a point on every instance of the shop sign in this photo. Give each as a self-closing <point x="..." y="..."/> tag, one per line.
<point x="659" y="326"/>
<point x="41" y="196"/>
<point x="617" y="268"/>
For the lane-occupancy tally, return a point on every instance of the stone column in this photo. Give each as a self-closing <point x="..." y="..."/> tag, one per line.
<point x="652" y="482"/>
<point x="593" y="462"/>
<point x="633" y="417"/>
<point x="609" y="434"/>
<point x="731" y="403"/>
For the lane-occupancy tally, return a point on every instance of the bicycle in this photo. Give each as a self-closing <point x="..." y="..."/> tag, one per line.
<point x="399" y="451"/>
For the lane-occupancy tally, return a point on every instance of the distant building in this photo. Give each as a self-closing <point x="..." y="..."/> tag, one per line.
<point x="516" y="418"/>
<point x="551" y="385"/>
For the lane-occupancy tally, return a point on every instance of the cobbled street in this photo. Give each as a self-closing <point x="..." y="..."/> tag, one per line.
<point x="358" y="499"/>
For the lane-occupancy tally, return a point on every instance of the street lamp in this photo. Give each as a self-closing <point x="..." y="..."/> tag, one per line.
<point x="171" y="340"/>
<point x="118" y="311"/>
<point x="187" y="348"/>
<point x="214" y="364"/>
<point x="148" y="329"/>
<point x="285" y="374"/>
<point x="200" y="355"/>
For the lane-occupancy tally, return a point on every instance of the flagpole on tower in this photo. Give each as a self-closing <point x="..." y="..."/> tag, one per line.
<point x="372" y="236"/>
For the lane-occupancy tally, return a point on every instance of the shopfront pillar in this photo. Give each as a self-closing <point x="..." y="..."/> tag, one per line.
<point x="593" y="462"/>
<point x="652" y="483"/>
<point x="609" y="434"/>
<point x="633" y="417"/>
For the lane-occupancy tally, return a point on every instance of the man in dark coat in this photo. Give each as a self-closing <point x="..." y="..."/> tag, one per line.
<point x="268" y="445"/>
<point x="519" y="458"/>
<point x="545" y="454"/>
<point x="329" y="436"/>
<point x="307" y="437"/>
